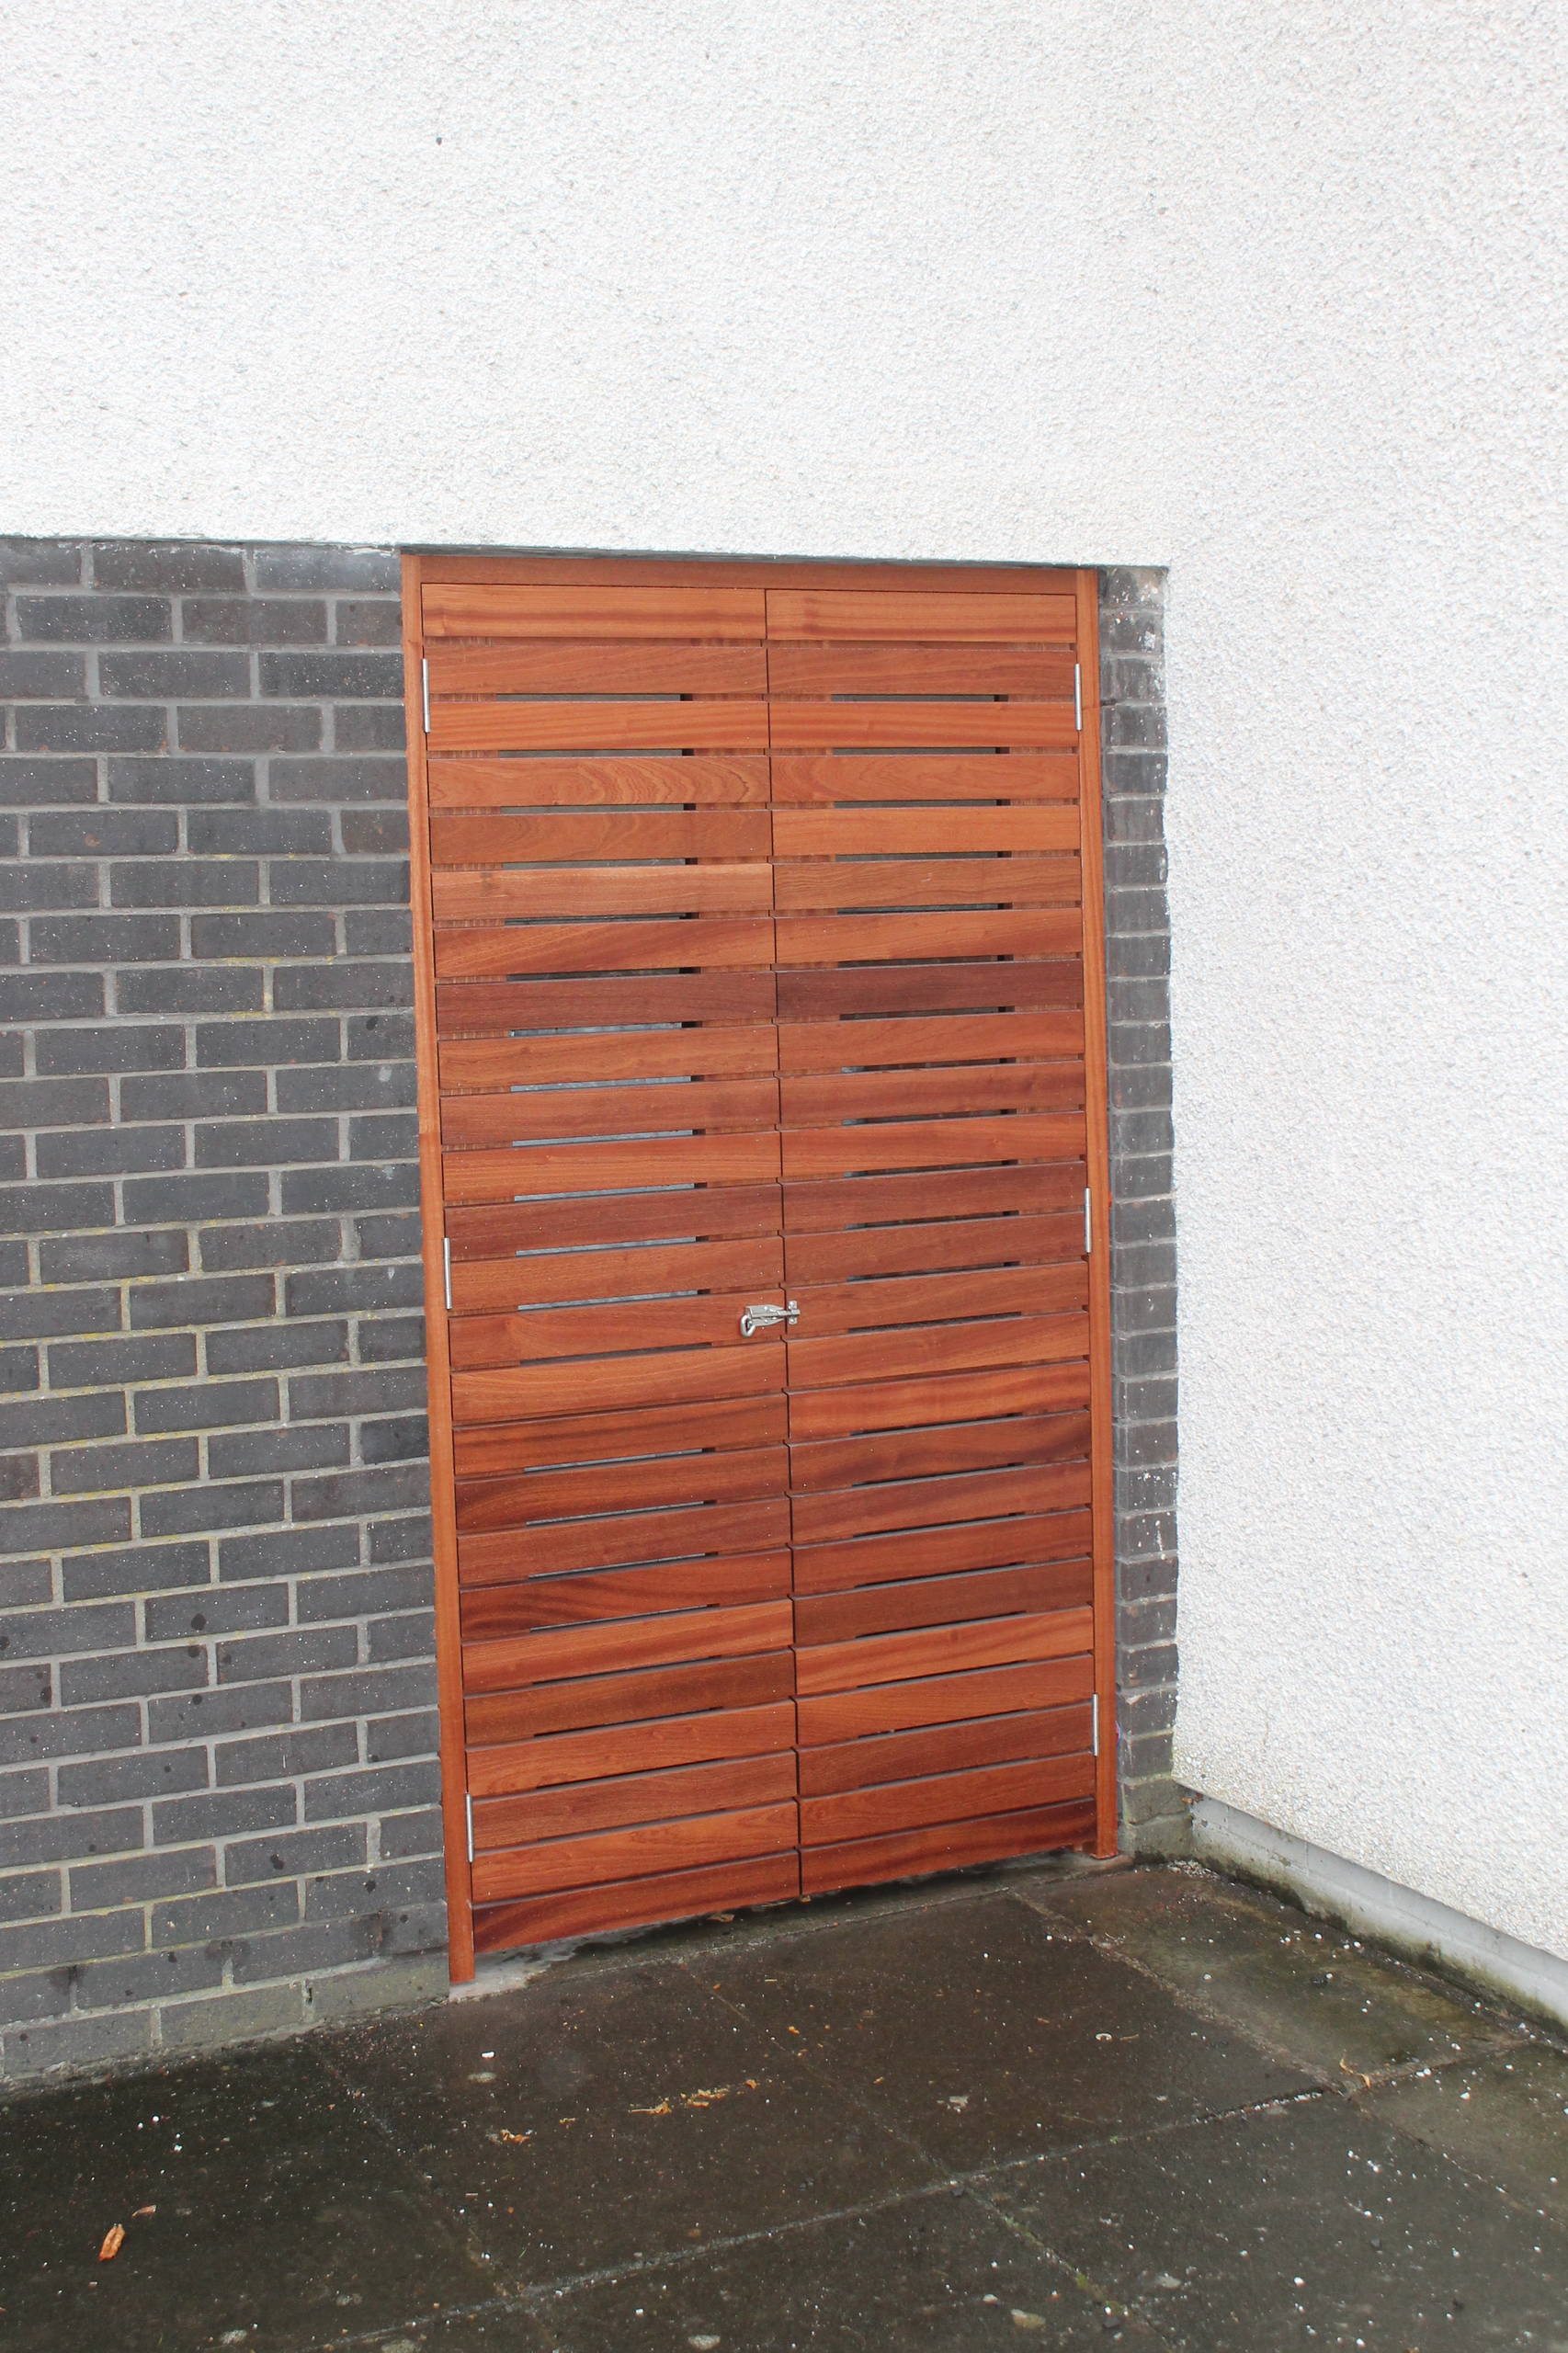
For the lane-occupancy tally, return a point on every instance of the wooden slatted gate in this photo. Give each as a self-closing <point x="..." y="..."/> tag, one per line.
<point x="759" y="962"/>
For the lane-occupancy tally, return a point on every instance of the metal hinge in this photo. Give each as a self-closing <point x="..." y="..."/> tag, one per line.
<point x="468" y="1802"/>
<point x="424" y="681"/>
<point x="1089" y="1228"/>
<point x="1094" y="1743"/>
<point x="1077" y="701"/>
<point x="447" y="1268"/>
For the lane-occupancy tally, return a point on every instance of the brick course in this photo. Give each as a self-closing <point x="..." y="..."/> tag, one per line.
<point x="216" y="1702"/>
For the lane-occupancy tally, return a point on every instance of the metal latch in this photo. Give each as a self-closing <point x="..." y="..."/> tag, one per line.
<point x="757" y="1319"/>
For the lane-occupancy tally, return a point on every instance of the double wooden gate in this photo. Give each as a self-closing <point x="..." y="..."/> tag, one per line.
<point x="762" y="1109"/>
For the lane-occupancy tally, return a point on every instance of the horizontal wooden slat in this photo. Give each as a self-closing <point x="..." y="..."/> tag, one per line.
<point x="930" y="988"/>
<point x="736" y="1475"/>
<point x="578" y="1809"/>
<point x="745" y="1051"/>
<point x="507" y="1665"/>
<point x="504" y="1556"/>
<point x="696" y="1212"/>
<point x="823" y="1096"/>
<point x="853" y="884"/>
<point x="948" y="1845"/>
<point x="914" y="1249"/>
<point x="566" y="1756"/>
<point x="945" y="1348"/>
<point x="478" y="1008"/>
<point x="920" y="1299"/>
<point x="943" y="1699"/>
<point x="630" y="947"/>
<point x="614" y="1854"/>
<point x="919" y="1144"/>
<point x="464" y="894"/>
<point x="592" y="726"/>
<point x="810" y="726"/>
<point x="947" y="1038"/>
<point x="837" y="614"/>
<point x="684" y="1376"/>
<point x="637" y="1903"/>
<point x="830" y="1204"/>
<point x="560" y="1275"/>
<point x="763" y="573"/>
<point x="599" y="1330"/>
<point x="970" y="1495"/>
<point x="603" y="666"/>
<point x="738" y="781"/>
<point x="651" y="1431"/>
<point x="931" y="1452"/>
<point x="910" y="668"/>
<point x="494" y="1611"/>
<point x="945" y="1749"/>
<point x="451" y="608"/>
<point x="889" y="1658"/>
<point x="654" y="1692"/>
<point x="546" y="1168"/>
<point x="829" y="939"/>
<point x="819" y="779"/>
<point x="925" y="833"/>
<point x="617" y="1109"/>
<point x="827" y="1413"/>
<point x="896" y="1606"/>
<point x="1062" y="1535"/>
<point x="620" y="834"/>
<point x="948" y="1797"/>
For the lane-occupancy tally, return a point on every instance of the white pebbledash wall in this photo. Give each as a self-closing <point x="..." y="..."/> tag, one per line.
<point x="1264" y="294"/>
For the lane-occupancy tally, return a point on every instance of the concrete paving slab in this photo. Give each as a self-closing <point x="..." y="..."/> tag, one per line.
<point x="1505" y="2121"/>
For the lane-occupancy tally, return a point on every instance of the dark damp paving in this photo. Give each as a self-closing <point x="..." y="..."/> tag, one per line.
<point x="1144" y="2108"/>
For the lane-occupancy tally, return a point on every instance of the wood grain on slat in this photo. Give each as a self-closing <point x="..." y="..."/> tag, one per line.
<point x="561" y="947"/>
<point x="592" y="726"/>
<point x="616" y="1109"/>
<point x="746" y="1050"/>
<point x="809" y="1046"/>
<point x="507" y="1555"/>
<point x="603" y="666"/>
<point x="816" y="781"/>
<point x="597" y="1330"/>
<point x="566" y="1756"/>
<point x="732" y="1475"/>
<point x="739" y="781"/>
<point x="555" y="1275"/>
<point x="949" y="1797"/>
<point x="944" y="1748"/>
<point x="683" y="1377"/>
<point x="629" y="1903"/>
<point x="929" y="988"/>
<point x="920" y="1144"/>
<point x="619" y="834"/>
<point x="614" y="1854"/>
<point x="698" y="1213"/>
<point x="651" y="1432"/>
<point x="915" y="1249"/>
<point x="962" y="1496"/>
<point x="478" y="1008"/>
<point x="912" y="669"/>
<point x="828" y="939"/>
<point x="490" y="1613"/>
<point x="549" y="1657"/>
<point x="893" y="1607"/>
<point x="854" y="883"/>
<point x="1035" y="1438"/>
<point x="654" y="1693"/>
<point x="462" y="894"/>
<point x="456" y="609"/>
<point x="838" y="614"/>
<point x="576" y="1808"/>
<point x="889" y="1658"/>
<point x="823" y="1096"/>
<point x="920" y="1299"/>
<point x="828" y="1414"/>
<point x="948" y="1845"/>
<point x="943" y="1699"/>
<point x="947" y="1348"/>
<point x="830" y="1204"/>
<point x="1059" y="1535"/>
<point x="509" y="1175"/>
<point x="810" y="726"/>
<point x="925" y="833"/>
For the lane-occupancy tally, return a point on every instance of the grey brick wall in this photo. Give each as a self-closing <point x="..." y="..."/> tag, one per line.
<point x="217" y="1785"/>
<point x="1143" y="1269"/>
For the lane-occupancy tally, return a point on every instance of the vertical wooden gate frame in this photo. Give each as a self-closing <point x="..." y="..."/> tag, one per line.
<point x="761" y="1029"/>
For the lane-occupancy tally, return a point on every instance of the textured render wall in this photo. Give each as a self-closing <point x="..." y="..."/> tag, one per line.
<point x="1265" y="295"/>
<point x="217" y="1694"/>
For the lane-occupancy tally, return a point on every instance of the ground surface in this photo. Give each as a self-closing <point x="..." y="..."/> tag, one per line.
<point x="1147" y="2107"/>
